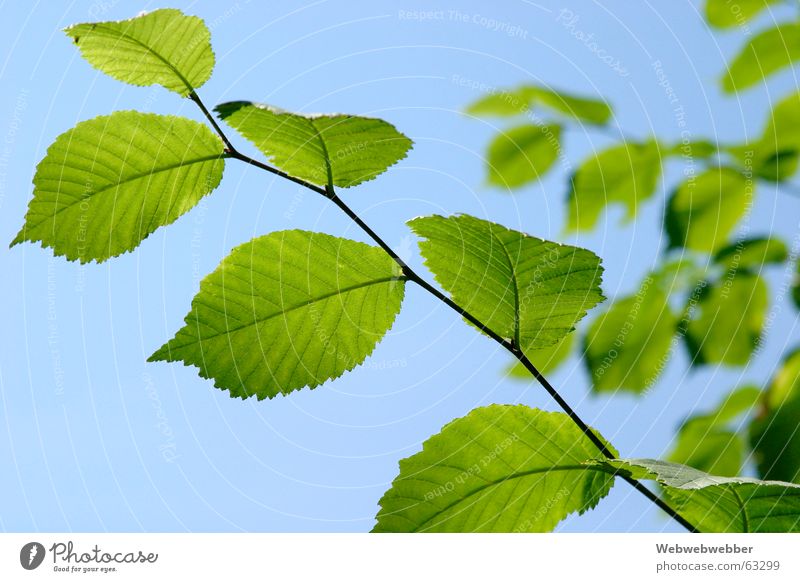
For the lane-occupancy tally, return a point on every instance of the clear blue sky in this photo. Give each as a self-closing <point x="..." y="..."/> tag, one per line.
<point x="92" y="438"/>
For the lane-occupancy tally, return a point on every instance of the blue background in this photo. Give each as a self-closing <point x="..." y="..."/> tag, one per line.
<point x="94" y="439"/>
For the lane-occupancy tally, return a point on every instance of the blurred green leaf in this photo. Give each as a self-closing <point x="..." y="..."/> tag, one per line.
<point x="340" y="150"/>
<point x="702" y="211"/>
<point x="701" y="149"/>
<point x="709" y="442"/>
<point x="728" y="319"/>
<point x="522" y="154"/>
<point x="526" y="97"/>
<point x="775" y="433"/>
<point x="546" y="360"/>
<point x="498" y="469"/>
<point x="765" y="54"/>
<point x="627" y="347"/>
<point x="777" y="154"/>
<point x="720" y="504"/>
<point x="752" y="253"/>
<point x="164" y="47"/>
<point x="727" y="13"/>
<point x="626" y="173"/>
<point x="525" y="289"/>
<point x="796" y="286"/>
<point x="503" y="103"/>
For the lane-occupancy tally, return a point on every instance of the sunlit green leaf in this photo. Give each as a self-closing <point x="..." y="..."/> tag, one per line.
<point x="729" y="13"/>
<point x="752" y="253"/>
<point x="626" y="174"/>
<point x="523" y="288"/>
<point x="703" y="211"/>
<point x="728" y="319"/>
<point x="775" y="433"/>
<point x="288" y="310"/>
<point x="522" y="154"/>
<point x="341" y="150"/>
<point x="109" y="182"/>
<point x="711" y="442"/>
<point x="720" y="504"/>
<point x="766" y="53"/>
<point x="164" y="47"/>
<point x="627" y="347"/>
<point x="498" y="469"/>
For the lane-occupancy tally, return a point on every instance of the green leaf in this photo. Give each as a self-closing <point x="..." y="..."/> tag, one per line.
<point x="288" y="310"/>
<point x="752" y="253"/>
<point x="523" y="288"/>
<point x="720" y="504"/>
<point x="796" y="286"/>
<point x="503" y="103"/>
<point x="775" y="156"/>
<point x="522" y="154"/>
<point x="109" y="182"/>
<point x="765" y="54"/>
<point x="709" y="443"/>
<point x="729" y="317"/>
<point x="546" y="360"/>
<point x="703" y="211"/>
<point x="775" y="433"/>
<point x="581" y="108"/>
<point x="627" y="347"/>
<point x="338" y="150"/>
<point x="164" y="47"/>
<point x="727" y="14"/>
<point x="626" y="174"/>
<point x="700" y="149"/>
<point x="498" y="469"/>
<point x="522" y="99"/>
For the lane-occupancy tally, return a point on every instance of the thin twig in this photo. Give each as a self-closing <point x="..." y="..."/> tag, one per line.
<point x="508" y="344"/>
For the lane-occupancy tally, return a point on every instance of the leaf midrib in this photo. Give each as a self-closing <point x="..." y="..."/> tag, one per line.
<point x="289" y="310"/>
<point x="520" y="475"/>
<point x="125" y="35"/>
<point x="128" y="180"/>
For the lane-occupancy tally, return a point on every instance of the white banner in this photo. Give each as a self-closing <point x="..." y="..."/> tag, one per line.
<point x="423" y="557"/>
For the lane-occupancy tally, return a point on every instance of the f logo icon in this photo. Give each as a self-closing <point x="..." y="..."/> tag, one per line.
<point x="31" y="555"/>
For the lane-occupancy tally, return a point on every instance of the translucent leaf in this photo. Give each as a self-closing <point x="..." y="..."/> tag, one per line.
<point x="522" y="154"/>
<point x="775" y="155"/>
<point x="703" y="211"/>
<point x="546" y="360"/>
<point x="711" y="442"/>
<point x="526" y="97"/>
<point x="720" y="504"/>
<point x="775" y="433"/>
<point x="341" y="150"/>
<point x="164" y="47"/>
<point x="727" y="322"/>
<point x="765" y="54"/>
<point x="288" y="310"/>
<point x="796" y="286"/>
<point x="523" y="288"/>
<point x="109" y="182"/>
<point x="627" y="347"/>
<point x="626" y="174"/>
<point x="752" y="253"/>
<point x="498" y="469"/>
<point x="727" y="14"/>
